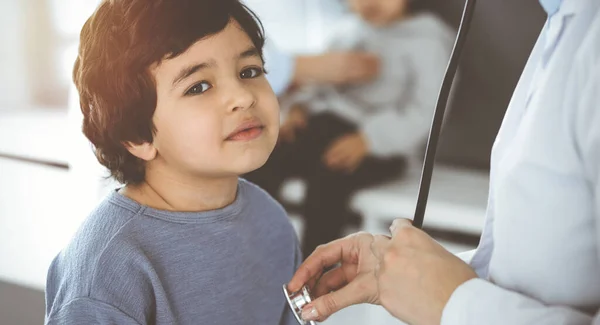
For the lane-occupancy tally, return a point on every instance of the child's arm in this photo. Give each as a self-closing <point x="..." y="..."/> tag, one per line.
<point x="404" y="125"/>
<point x="401" y="125"/>
<point x="86" y="310"/>
<point x="340" y="41"/>
<point x="299" y="97"/>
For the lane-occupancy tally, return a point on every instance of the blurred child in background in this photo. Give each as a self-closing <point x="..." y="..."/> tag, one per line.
<point x="343" y="138"/>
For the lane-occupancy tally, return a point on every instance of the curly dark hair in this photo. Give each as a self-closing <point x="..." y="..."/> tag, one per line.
<point x="118" y="44"/>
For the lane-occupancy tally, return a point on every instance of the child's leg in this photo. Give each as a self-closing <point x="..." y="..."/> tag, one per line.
<point x="327" y="199"/>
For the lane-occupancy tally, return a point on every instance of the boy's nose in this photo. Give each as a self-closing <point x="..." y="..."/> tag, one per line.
<point x="239" y="97"/>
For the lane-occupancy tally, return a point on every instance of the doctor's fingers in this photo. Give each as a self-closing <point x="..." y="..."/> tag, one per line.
<point x="333" y="280"/>
<point x="379" y="246"/>
<point x="362" y="290"/>
<point x="400" y="224"/>
<point x="323" y="257"/>
<point x="402" y="233"/>
<point x="342" y="159"/>
<point x="336" y="151"/>
<point x="354" y="163"/>
<point x="405" y="235"/>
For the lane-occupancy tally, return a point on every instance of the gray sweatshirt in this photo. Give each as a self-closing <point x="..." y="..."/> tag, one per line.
<point x="131" y="264"/>
<point x="394" y="111"/>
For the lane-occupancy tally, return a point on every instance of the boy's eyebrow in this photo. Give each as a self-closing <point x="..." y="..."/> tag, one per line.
<point x="250" y="52"/>
<point x="190" y="70"/>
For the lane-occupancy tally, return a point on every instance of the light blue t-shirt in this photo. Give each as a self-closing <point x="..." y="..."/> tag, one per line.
<point x="280" y="67"/>
<point x="131" y="264"/>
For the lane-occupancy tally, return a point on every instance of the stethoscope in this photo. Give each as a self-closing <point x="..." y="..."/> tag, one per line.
<point x="297" y="300"/>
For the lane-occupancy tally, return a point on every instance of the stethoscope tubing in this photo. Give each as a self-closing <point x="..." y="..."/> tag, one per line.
<point x="438" y="116"/>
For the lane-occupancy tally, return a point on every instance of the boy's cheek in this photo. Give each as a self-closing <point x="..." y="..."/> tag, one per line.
<point x="268" y="112"/>
<point x="272" y="110"/>
<point x="189" y="138"/>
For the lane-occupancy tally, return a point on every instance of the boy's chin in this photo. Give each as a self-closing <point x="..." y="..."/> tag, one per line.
<point x="250" y="163"/>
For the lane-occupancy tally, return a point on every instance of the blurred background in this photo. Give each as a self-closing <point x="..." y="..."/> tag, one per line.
<point x="44" y="158"/>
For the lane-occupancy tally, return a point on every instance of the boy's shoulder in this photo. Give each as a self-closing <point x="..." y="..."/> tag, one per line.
<point x="107" y="224"/>
<point x="99" y="250"/>
<point x="102" y="226"/>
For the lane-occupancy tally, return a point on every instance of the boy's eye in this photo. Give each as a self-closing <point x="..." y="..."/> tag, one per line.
<point x="251" y="73"/>
<point x="198" y="88"/>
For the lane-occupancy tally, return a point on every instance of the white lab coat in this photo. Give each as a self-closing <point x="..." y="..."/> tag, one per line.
<point x="539" y="257"/>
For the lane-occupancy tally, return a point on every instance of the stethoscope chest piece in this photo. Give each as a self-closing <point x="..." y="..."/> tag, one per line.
<point x="297" y="301"/>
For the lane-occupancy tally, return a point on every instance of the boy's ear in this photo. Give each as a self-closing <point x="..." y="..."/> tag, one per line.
<point x="145" y="151"/>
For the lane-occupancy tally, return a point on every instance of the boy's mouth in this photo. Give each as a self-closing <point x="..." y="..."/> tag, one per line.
<point x="246" y="131"/>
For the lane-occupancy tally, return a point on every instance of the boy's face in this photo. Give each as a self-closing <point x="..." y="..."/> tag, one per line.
<point x="216" y="114"/>
<point x="379" y="12"/>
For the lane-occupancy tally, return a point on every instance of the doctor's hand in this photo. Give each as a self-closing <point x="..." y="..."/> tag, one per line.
<point x="351" y="282"/>
<point x="296" y="119"/>
<point x="416" y="276"/>
<point x="347" y="152"/>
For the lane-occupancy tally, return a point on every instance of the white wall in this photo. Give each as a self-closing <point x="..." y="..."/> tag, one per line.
<point x="40" y="206"/>
<point x="13" y="79"/>
<point x="35" y="220"/>
<point x="298" y="26"/>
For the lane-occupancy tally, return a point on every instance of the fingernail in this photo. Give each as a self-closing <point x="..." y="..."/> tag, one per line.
<point x="310" y="313"/>
<point x="399" y="222"/>
<point x="393" y="227"/>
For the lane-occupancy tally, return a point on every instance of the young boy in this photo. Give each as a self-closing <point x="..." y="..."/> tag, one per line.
<point x="176" y="104"/>
<point x="343" y="138"/>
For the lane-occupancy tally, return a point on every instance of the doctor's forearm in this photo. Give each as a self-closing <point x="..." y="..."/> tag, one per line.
<point x="481" y="302"/>
<point x="305" y="70"/>
<point x="315" y="69"/>
<point x="334" y="68"/>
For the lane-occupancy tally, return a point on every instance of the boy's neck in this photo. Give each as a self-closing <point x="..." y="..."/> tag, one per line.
<point x="165" y="192"/>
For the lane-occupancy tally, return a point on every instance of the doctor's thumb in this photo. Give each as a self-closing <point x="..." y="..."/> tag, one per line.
<point x="326" y="305"/>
